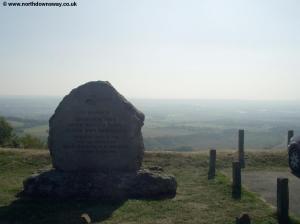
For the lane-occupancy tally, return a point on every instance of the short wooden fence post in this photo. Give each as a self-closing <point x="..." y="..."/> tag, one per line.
<point x="212" y="164"/>
<point x="282" y="200"/>
<point x="236" y="180"/>
<point x="241" y="148"/>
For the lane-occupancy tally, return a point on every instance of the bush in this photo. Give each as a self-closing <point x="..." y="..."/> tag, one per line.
<point x="6" y="132"/>
<point x="30" y="142"/>
<point x="9" y="139"/>
<point x="13" y="142"/>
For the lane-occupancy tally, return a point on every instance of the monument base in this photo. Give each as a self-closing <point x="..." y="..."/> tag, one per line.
<point x="61" y="185"/>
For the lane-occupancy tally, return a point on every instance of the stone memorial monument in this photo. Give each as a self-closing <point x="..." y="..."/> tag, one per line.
<point x="97" y="148"/>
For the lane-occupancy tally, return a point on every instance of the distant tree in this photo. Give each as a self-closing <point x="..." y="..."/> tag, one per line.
<point x="14" y="141"/>
<point x="6" y="132"/>
<point x="31" y="142"/>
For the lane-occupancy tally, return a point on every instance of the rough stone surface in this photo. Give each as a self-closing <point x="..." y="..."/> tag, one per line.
<point x="141" y="184"/>
<point x="94" y="128"/>
<point x="97" y="148"/>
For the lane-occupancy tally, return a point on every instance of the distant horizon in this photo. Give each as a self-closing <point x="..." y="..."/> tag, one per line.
<point x="136" y="98"/>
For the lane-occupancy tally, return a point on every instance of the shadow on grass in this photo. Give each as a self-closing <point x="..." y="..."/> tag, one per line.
<point x="46" y="211"/>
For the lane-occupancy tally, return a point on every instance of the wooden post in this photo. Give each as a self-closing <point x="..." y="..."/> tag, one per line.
<point x="212" y="164"/>
<point x="243" y="219"/>
<point x="236" y="180"/>
<point x="282" y="200"/>
<point x="290" y="135"/>
<point x="241" y="148"/>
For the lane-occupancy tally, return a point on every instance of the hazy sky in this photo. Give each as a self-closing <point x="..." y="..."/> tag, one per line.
<point x="224" y="49"/>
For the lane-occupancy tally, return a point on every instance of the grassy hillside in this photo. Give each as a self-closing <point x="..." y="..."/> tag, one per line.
<point x="198" y="200"/>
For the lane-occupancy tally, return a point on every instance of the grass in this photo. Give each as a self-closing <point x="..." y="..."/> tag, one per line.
<point x="197" y="201"/>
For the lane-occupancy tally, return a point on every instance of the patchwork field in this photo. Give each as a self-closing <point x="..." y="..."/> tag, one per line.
<point x="179" y="125"/>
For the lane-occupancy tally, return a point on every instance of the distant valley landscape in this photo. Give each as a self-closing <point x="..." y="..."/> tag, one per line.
<point x="179" y="125"/>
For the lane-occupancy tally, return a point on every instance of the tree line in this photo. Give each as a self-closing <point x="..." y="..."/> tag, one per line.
<point x="9" y="138"/>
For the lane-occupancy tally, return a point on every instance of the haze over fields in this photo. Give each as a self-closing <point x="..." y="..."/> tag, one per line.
<point x="181" y="125"/>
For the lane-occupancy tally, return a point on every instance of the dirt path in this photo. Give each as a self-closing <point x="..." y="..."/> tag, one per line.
<point x="264" y="184"/>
